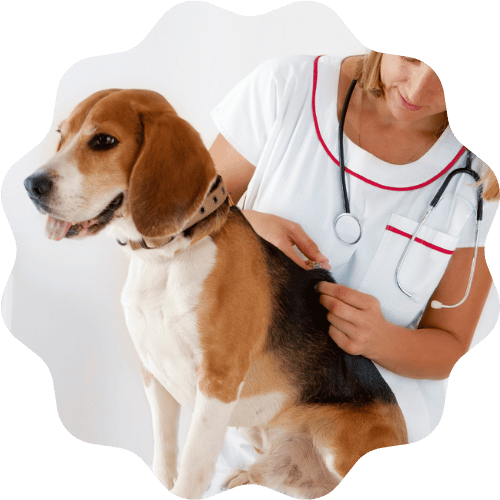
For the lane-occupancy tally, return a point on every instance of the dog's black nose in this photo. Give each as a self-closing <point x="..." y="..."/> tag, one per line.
<point x="38" y="185"/>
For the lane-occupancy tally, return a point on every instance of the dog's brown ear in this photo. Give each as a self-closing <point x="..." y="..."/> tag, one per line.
<point x="171" y="175"/>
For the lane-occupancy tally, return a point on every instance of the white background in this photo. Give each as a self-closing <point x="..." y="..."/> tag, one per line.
<point x="62" y="299"/>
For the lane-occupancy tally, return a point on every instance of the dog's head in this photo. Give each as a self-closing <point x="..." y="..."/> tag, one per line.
<point x="122" y="153"/>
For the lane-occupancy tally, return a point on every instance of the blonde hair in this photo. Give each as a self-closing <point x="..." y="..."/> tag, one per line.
<point x="489" y="181"/>
<point x="368" y="75"/>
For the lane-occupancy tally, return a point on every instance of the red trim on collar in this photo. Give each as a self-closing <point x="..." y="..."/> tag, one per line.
<point x="419" y="240"/>
<point x="354" y="174"/>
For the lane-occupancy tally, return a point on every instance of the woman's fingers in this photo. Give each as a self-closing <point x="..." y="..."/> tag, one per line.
<point x="343" y="340"/>
<point x="307" y="246"/>
<point x="338" y="309"/>
<point x="356" y="322"/>
<point x="285" y="234"/>
<point x="290" y="252"/>
<point x="349" y="296"/>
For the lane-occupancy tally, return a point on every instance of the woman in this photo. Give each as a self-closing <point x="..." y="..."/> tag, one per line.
<point x="279" y="146"/>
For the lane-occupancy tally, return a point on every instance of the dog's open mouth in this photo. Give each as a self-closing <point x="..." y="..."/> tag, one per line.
<point x="56" y="229"/>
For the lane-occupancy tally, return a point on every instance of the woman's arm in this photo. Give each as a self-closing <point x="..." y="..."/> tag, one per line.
<point x="357" y="324"/>
<point x="443" y="336"/>
<point x="232" y="166"/>
<point x="237" y="172"/>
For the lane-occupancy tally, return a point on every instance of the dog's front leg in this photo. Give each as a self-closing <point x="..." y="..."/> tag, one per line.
<point x="165" y="416"/>
<point x="203" y="444"/>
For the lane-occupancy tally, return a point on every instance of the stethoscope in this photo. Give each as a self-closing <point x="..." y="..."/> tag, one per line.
<point x="348" y="228"/>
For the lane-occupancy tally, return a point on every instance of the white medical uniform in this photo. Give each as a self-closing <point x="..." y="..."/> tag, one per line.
<point x="269" y="119"/>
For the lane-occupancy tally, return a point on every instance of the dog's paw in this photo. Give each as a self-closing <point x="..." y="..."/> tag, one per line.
<point x="166" y="476"/>
<point x="237" y="478"/>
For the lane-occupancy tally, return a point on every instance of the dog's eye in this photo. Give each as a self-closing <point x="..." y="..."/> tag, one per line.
<point x="101" y="142"/>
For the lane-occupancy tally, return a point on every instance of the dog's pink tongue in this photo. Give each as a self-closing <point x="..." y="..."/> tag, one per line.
<point x="56" y="229"/>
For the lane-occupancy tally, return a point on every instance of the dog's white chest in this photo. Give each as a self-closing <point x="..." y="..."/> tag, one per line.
<point x="160" y="300"/>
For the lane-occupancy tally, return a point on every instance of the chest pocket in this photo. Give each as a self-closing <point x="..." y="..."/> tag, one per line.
<point x="419" y="275"/>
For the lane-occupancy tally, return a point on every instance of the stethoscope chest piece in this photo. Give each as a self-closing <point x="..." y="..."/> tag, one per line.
<point x="347" y="228"/>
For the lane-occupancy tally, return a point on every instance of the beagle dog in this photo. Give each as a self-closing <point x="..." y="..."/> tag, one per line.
<point x="222" y="321"/>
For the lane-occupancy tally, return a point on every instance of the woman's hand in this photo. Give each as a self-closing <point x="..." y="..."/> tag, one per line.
<point x="284" y="234"/>
<point x="357" y="325"/>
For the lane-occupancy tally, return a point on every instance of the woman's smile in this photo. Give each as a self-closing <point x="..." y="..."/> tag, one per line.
<point x="407" y="105"/>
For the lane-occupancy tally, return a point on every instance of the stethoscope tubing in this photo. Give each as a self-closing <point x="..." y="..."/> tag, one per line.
<point x="435" y="200"/>
<point x="347" y="227"/>
<point x="435" y="304"/>
<point x="343" y="182"/>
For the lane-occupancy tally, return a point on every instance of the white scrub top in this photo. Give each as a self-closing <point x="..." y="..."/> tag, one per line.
<point x="270" y="118"/>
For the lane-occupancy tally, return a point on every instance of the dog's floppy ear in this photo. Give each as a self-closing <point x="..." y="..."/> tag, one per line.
<point x="172" y="173"/>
